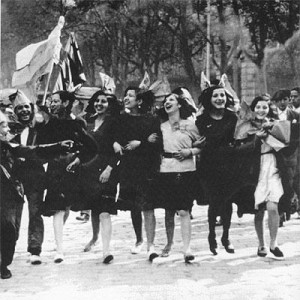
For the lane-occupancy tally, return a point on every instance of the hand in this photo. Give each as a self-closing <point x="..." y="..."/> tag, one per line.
<point x="104" y="176"/>
<point x="132" y="145"/>
<point x="118" y="148"/>
<point x="183" y="154"/>
<point x="268" y="125"/>
<point x="152" y="138"/>
<point x="67" y="144"/>
<point x="73" y="165"/>
<point x="261" y="133"/>
<point x="200" y="143"/>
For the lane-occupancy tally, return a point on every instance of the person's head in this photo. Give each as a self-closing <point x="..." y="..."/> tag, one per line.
<point x="267" y="97"/>
<point x="61" y="98"/>
<point x="184" y="93"/>
<point x="23" y="108"/>
<point x="261" y="108"/>
<point x="173" y="104"/>
<point x="130" y="98"/>
<point x="215" y="98"/>
<point x="295" y="96"/>
<point x="4" y="129"/>
<point x="103" y="104"/>
<point x="281" y="99"/>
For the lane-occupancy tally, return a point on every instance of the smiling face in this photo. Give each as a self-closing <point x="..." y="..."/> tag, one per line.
<point x="171" y="104"/>
<point x="24" y="113"/>
<point x="130" y="101"/>
<point x="261" y="109"/>
<point x="101" y="105"/>
<point x="55" y="103"/>
<point x="218" y="98"/>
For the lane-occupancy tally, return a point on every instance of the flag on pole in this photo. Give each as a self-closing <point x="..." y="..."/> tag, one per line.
<point x="145" y="83"/>
<point x="70" y="75"/>
<point x="37" y="59"/>
<point x="160" y="87"/>
<point x="107" y="83"/>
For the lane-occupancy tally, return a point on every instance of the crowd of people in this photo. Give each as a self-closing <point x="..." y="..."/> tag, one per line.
<point x="130" y="155"/>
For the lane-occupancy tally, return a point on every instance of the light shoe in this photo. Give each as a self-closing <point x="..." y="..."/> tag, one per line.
<point x="151" y="254"/>
<point x="137" y="248"/>
<point x="58" y="258"/>
<point x="35" y="259"/>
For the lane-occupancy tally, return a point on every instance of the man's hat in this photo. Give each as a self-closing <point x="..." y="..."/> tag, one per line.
<point x="19" y="98"/>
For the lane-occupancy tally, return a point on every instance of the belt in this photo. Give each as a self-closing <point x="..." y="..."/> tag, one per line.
<point x="169" y="154"/>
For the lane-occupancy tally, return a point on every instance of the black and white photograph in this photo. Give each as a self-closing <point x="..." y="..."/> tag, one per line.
<point x="149" y="149"/>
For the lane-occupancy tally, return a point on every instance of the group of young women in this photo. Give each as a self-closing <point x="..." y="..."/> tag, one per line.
<point x="171" y="157"/>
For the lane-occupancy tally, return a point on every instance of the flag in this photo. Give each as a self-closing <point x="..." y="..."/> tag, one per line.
<point x="69" y="74"/>
<point x="145" y="83"/>
<point x="160" y="87"/>
<point x="37" y="59"/>
<point x="107" y="83"/>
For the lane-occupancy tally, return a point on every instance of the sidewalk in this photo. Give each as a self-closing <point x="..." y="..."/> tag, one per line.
<point x="238" y="276"/>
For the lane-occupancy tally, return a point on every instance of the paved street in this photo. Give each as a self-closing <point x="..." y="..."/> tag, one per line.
<point x="242" y="275"/>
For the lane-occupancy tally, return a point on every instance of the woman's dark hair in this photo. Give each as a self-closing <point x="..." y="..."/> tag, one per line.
<point x="114" y="106"/>
<point x="185" y="110"/>
<point x="281" y="94"/>
<point x="206" y="95"/>
<point x="257" y="99"/>
<point x="147" y="98"/>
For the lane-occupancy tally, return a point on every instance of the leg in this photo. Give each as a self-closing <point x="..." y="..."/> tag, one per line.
<point x="106" y="230"/>
<point x="58" y="224"/>
<point x="96" y="228"/>
<point x="273" y="221"/>
<point x="136" y="218"/>
<point x="226" y="217"/>
<point x="212" y="214"/>
<point x="150" y="224"/>
<point x="66" y="215"/>
<point x="36" y="225"/>
<point x="170" y="226"/>
<point x="186" y="233"/>
<point x="259" y="228"/>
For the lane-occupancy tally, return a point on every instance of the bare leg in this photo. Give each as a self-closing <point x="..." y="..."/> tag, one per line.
<point x="150" y="224"/>
<point x="58" y="225"/>
<point x="186" y="229"/>
<point x="96" y="228"/>
<point x="273" y="223"/>
<point x="106" y="230"/>
<point x="137" y="220"/>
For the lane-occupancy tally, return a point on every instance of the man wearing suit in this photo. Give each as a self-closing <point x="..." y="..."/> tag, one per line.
<point x="32" y="174"/>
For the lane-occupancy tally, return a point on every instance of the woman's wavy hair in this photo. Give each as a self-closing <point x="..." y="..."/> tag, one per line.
<point x="270" y="114"/>
<point x="185" y="110"/>
<point x="114" y="106"/>
<point x="206" y="95"/>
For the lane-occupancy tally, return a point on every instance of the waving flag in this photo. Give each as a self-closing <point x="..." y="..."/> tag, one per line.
<point x="107" y="83"/>
<point x="145" y="83"/>
<point x="37" y="59"/>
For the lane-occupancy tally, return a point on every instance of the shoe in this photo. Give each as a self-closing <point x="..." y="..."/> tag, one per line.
<point x="228" y="246"/>
<point x="276" y="254"/>
<point x="213" y="246"/>
<point x="59" y="257"/>
<point x="262" y="251"/>
<point x="165" y="252"/>
<point x="84" y="217"/>
<point x="188" y="258"/>
<point x="107" y="259"/>
<point x="152" y="254"/>
<point x="5" y="273"/>
<point x="137" y="248"/>
<point x="35" y="259"/>
<point x="89" y="246"/>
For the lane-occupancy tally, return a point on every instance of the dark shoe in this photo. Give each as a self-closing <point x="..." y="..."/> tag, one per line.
<point x="35" y="259"/>
<point x="276" y="254"/>
<point x="5" y="273"/>
<point x="213" y="246"/>
<point x="152" y="254"/>
<point x="188" y="258"/>
<point x="107" y="259"/>
<point x="83" y="218"/>
<point x="228" y="246"/>
<point x="262" y="251"/>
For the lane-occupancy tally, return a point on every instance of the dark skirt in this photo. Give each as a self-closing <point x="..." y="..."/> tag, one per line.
<point x="173" y="191"/>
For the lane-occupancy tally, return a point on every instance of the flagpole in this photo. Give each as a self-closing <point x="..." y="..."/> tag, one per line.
<point x="208" y="39"/>
<point x="48" y="82"/>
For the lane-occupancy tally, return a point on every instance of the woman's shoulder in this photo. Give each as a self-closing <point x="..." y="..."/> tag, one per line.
<point x="243" y="130"/>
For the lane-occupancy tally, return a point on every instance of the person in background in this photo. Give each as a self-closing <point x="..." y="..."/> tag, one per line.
<point x="295" y="99"/>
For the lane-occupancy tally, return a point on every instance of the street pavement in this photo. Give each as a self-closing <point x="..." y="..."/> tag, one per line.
<point x="81" y="276"/>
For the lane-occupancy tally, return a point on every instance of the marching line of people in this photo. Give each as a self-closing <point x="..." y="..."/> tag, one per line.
<point x="128" y="156"/>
